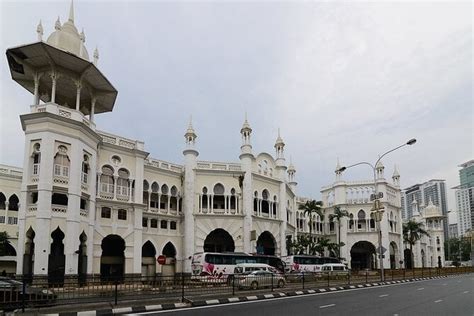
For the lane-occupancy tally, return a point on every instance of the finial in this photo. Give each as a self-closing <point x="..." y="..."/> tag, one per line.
<point x="191" y="121"/>
<point x="71" y="12"/>
<point x="57" y="25"/>
<point x="96" y="55"/>
<point x="82" y="36"/>
<point x="395" y="172"/>
<point x="39" y="30"/>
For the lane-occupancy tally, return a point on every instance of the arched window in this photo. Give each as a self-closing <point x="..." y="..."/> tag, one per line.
<point x="174" y="198"/>
<point x="61" y="162"/>
<point x="233" y="199"/>
<point x="36" y="159"/>
<point x="122" y="182"/>
<point x="13" y="203"/>
<point x="361" y="215"/>
<point x="3" y="199"/>
<point x="107" y="180"/>
<point x="255" y="202"/>
<point x="204" y="199"/>
<point x="265" y="202"/>
<point x="218" y="199"/>
<point x="351" y="221"/>
<point x="85" y="170"/>
<point x="154" y="201"/>
<point x="164" y="197"/>
<point x="274" y="205"/>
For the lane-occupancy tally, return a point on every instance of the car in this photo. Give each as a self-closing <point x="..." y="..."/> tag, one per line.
<point x="334" y="269"/>
<point x="11" y="293"/>
<point x="259" y="279"/>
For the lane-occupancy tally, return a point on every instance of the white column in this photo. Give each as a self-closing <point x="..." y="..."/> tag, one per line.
<point x="168" y="206"/>
<point x="129" y="189"/>
<point x="115" y="187"/>
<point x="91" y="116"/>
<point x="200" y="203"/>
<point x="212" y="203"/>
<point x="225" y="204"/>
<point x="149" y="200"/>
<point x="36" y="93"/>
<point x="54" y="78"/>
<point x="208" y="203"/>
<point x="78" y="94"/>
<point x="159" y="201"/>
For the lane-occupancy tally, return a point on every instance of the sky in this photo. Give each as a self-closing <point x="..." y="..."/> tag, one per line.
<point x="341" y="80"/>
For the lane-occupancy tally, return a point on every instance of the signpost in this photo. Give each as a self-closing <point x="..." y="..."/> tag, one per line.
<point x="161" y="259"/>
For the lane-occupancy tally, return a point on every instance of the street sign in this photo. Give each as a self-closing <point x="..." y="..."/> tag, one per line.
<point x="379" y="196"/>
<point x="383" y="249"/>
<point x="161" y="259"/>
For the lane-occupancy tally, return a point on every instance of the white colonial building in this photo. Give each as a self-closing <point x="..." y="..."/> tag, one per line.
<point x="360" y="231"/>
<point x="428" y="251"/>
<point x="89" y="202"/>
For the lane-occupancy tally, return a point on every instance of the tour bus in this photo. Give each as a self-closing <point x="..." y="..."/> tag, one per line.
<point x="306" y="263"/>
<point x="218" y="266"/>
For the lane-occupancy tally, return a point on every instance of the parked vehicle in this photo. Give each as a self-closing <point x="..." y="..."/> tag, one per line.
<point x="306" y="263"/>
<point x="250" y="267"/>
<point x="334" y="269"/>
<point x="259" y="279"/>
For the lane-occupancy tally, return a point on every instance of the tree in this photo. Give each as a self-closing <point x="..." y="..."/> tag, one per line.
<point x="338" y="215"/>
<point x="311" y="207"/>
<point x="457" y="249"/>
<point x="4" y="243"/>
<point x="412" y="232"/>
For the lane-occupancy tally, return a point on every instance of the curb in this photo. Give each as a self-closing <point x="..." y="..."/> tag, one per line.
<point x="149" y="308"/>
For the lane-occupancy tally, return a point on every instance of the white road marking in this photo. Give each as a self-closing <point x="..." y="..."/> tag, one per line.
<point x="465" y="292"/>
<point x="421" y="288"/>
<point x="383" y="295"/>
<point x="329" y="305"/>
<point x="445" y="284"/>
<point x="438" y="301"/>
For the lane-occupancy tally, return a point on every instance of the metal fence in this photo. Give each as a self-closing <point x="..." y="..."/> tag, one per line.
<point x="71" y="290"/>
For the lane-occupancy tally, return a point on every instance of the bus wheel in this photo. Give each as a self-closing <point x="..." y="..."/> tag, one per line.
<point x="281" y="283"/>
<point x="254" y="285"/>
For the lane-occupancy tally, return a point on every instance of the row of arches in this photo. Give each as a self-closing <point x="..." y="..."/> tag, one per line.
<point x="11" y="204"/>
<point x="112" y="261"/>
<point x="364" y="255"/>
<point x="161" y="198"/>
<point x="219" y="240"/>
<point x="219" y="200"/>
<point x="115" y="185"/>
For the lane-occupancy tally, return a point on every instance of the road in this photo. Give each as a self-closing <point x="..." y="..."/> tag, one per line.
<point x="450" y="296"/>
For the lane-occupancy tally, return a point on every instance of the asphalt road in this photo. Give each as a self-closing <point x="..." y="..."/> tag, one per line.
<point x="451" y="296"/>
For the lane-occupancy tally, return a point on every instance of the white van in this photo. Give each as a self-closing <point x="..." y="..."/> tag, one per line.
<point x="335" y="269"/>
<point x="250" y="267"/>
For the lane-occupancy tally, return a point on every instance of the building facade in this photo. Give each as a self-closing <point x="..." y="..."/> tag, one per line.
<point x="360" y="232"/>
<point x="464" y="194"/>
<point x="434" y="190"/>
<point x="90" y="202"/>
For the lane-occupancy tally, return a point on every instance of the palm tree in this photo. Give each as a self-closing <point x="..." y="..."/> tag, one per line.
<point x="310" y="207"/>
<point x="338" y="214"/>
<point x="412" y="232"/>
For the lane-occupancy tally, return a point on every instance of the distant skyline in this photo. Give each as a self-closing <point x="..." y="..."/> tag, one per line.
<point x="340" y="80"/>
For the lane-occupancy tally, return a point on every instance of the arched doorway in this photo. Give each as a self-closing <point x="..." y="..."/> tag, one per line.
<point x="148" y="259"/>
<point x="169" y="268"/>
<point x="28" y="256"/>
<point x="266" y="244"/>
<point x="82" y="259"/>
<point x="56" y="259"/>
<point x="408" y="259"/>
<point x="362" y="255"/>
<point x="393" y="255"/>
<point x="219" y="240"/>
<point x="112" y="261"/>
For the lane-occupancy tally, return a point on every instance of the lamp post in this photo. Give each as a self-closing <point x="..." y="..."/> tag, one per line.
<point x="378" y="209"/>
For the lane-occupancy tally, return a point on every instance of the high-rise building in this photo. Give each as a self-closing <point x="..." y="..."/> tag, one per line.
<point x="435" y="190"/>
<point x="465" y="197"/>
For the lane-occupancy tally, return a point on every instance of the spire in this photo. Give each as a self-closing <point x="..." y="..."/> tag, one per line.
<point x="279" y="141"/>
<point x="57" y="25"/>
<point x="39" y="30"/>
<point x="245" y="126"/>
<point x="71" y="12"/>
<point x="96" y="55"/>
<point x="291" y="167"/>
<point x="338" y="165"/>
<point x="190" y="134"/>
<point x="82" y="36"/>
<point x="395" y="172"/>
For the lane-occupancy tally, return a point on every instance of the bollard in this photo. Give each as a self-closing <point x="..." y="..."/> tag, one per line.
<point x="392" y="274"/>
<point x="23" y="295"/>
<point x="366" y="276"/>
<point x="403" y="273"/>
<point x="272" y="282"/>
<point x="303" y="280"/>
<point x="421" y="271"/>
<point x="349" y="278"/>
<point x="328" y="277"/>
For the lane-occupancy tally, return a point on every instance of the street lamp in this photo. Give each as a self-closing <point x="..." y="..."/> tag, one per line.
<point x="378" y="209"/>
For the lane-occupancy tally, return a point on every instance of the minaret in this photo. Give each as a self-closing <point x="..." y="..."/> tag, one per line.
<point x="281" y="170"/>
<point x="291" y="175"/>
<point x="96" y="56"/>
<point x="39" y="30"/>
<point x="379" y="167"/>
<point x="415" y="212"/>
<point x="246" y="160"/>
<point x="396" y="177"/>
<point x="60" y="61"/>
<point x="338" y="171"/>
<point x="190" y="155"/>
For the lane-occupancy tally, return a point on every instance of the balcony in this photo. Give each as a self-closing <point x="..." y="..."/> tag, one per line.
<point x="63" y="112"/>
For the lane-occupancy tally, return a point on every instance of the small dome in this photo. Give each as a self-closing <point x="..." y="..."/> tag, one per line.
<point x="379" y="165"/>
<point x="68" y="39"/>
<point x="432" y="210"/>
<point x="279" y="141"/>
